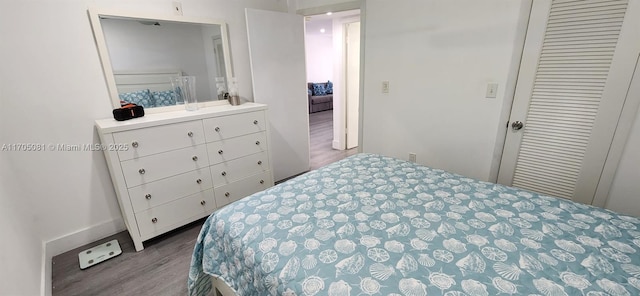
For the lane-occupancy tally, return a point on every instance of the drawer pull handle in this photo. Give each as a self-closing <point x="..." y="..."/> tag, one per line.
<point x="203" y="202"/>
<point x="224" y="173"/>
<point x="190" y="134"/>
<point x="255" y="122"/>
<point x="134" y="144"/>
<point x="154" y="220"/>
<point x="261" y="181"/>
<point x="217" y="129"/>
<point x="195" y="158"/>
<point x="141" y="171"/>
<point x="227" y="194"/>
<point x="148" y="196"/>
<point x="199" y="181"/>
<point x="257" y="142"/>
<point x="259" y="162"/>
<point x="220" y="151"/>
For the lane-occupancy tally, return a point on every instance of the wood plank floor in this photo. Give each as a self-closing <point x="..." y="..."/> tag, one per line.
<point x="160" y="269"/>
<point x="321" y="130"/>
<point x="163" y="266"/>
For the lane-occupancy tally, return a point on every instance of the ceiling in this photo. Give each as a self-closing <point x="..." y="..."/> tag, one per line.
<point x="314" y="23"/>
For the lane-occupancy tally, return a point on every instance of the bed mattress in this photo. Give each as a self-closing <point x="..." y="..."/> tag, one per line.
<point x="374" y="225"/>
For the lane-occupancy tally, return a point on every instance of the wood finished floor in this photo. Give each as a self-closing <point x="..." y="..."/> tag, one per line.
<point x="163" y="266"/>
<point x="321" y="130"/>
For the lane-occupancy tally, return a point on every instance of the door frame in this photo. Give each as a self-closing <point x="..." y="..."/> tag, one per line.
<point x="339" y="120"/>
<point x="620" y="137"/>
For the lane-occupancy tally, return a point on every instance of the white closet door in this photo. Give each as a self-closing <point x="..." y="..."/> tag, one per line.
<point x="574" y="75"/>
<point x="276" y="51"/>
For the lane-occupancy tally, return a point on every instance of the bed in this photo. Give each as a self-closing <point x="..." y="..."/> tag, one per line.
<point x="151" y="88"/>
<point x="374" y="225"/>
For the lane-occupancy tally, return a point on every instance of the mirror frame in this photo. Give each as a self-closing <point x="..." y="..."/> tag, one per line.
<point x="96" y="14"/>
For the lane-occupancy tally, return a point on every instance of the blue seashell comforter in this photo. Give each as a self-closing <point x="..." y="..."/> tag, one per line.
<point x="374" y="225"/>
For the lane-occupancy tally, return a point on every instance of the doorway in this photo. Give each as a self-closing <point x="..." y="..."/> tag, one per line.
<point x="332" y="48"/>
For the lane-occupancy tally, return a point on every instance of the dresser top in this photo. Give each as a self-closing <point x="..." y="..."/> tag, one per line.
<point x="111" y="125"/>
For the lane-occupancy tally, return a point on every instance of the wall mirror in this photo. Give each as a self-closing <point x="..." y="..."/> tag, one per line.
<point x="140" y="54"/>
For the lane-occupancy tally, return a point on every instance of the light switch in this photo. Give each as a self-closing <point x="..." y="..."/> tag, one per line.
<point x="385" y="87"/>
<point x="492" y="90"/>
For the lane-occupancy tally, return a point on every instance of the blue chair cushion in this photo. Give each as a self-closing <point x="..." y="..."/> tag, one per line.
<point x="319" y="90"/>
<point x="329" y="87"/>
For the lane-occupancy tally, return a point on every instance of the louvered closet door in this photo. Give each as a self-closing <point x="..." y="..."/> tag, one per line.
<point x="576" y="68"/>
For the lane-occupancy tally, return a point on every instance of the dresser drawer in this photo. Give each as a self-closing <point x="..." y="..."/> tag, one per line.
<point x="234" y="170"/>
<point x="234" y="191"/>
<point x="224" y="127"/>
<point x="152" y="194"/>
<point x="142" y="170"/>
<point x="152" y="140"/>
<point x="229" y="149"/>
<point x="158" y="219"/>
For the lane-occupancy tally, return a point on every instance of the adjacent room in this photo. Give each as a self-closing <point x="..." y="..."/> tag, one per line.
<point x="320" y="147"/>
<point x="332" y="50"/>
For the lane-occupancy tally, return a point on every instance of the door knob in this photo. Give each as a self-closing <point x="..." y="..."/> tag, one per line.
<point x="517" y="125"/>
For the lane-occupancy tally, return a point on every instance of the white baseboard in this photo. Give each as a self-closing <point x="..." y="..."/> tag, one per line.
<point x="71" y="241"/>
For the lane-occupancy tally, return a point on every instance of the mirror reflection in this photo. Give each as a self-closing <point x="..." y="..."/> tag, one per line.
<point x="146" y="54"/>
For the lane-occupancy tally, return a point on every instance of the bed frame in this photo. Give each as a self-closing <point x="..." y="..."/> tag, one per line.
<point x="220" y="288"/>
<point x="153" y="80"/>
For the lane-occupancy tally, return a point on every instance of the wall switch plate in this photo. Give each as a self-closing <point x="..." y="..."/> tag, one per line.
<point x="412" y="157"/>
<point x="492" y="90"/>
<point x="385" y="87"/>
<point x="177" y="8"/>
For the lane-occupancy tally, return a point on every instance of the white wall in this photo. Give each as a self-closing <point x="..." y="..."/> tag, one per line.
<point x="438" y="58"/>
<point x="624" y="195"/>
<point x="52" y="89"/>
<point x="137" y="47"/>
<point x="319" y="52"/>
<point x="21" y="248"/>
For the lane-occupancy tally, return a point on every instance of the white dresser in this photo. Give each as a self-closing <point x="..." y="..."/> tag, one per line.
<point x="172" y="168"/>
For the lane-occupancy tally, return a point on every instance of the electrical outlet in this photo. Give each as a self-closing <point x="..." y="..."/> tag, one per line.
<point x="385" y="87"/>
<point x="412" y="157"/>
<point x="177" y="8"/>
